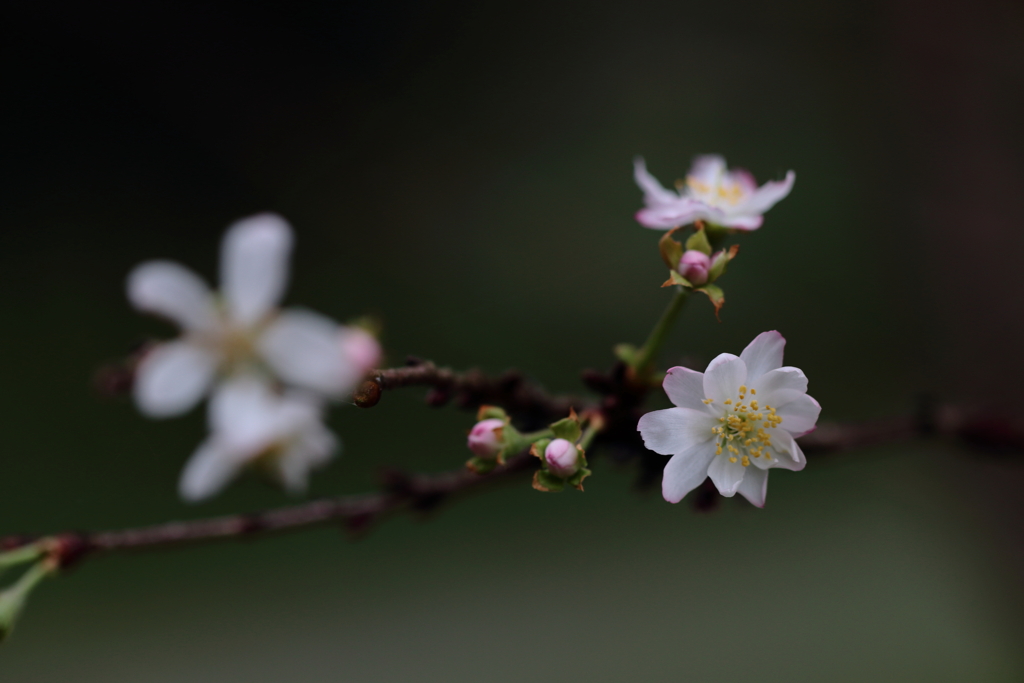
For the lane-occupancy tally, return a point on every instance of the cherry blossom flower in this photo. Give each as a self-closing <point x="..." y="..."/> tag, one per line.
<point x="711" y="193"/>
<point x="252" y="426"/>
<point x="733" y="422"/>
<point x="240" y="329"/>
<point x="485" y="439"/>
<point x="562" y="457"/>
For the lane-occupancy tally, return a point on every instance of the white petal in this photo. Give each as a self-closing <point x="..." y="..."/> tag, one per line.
<point x="174" y="292"/>
<point x="310" y="452"/>
<point x="686" y="470"/>
<point x="780" y="386"/>
<point x="208" y="470"/>
<point x="768" y="195"/>
<point x="763" y="354"/>
<point x="739" y="221"/>
<point x="685" y="388"/>
<point x="675" y="430"/>
<point x="786" y="452"/>
<point x="680" y="211"/>
<point x="654" y="193"/>
<point x="172" y="378"/>
<point x="707" y="169"/>
<point x="305" y="349"/>
<point x="799" y="416"/>
<point x="724" y="376"/>
<point x="726" y="475"/>
<point x="254" y="266"/>
<point x="244" y="414"/>
<point x="754" y="486"/>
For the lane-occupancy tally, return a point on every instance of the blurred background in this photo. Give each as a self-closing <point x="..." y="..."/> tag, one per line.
<point x="462" y="169"/>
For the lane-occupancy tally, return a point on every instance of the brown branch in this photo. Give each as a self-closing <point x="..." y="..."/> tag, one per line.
<point x="469" y="390"/>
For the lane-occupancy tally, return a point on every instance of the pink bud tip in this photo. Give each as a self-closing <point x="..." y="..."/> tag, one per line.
<point x="483" y="438"/>
<point x="360" y="348"/>
<point x="562" y="458"/>
<point x="694" y="266"/>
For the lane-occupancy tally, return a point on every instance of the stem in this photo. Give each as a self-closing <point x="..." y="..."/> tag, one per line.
<point x="647" y="354"/>
<point x="588" y="435"/>
<point x="20" y="555"/>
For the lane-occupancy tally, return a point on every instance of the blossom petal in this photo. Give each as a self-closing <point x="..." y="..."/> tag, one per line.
<point x="754" y="486"/>
<point x="209" y="469"/>
<point x="786" y="451"/>
<point x="763" y="354"/>
<point x="675" y="430"/>
<point x="654" y="193"/>
<point x="685" y="388"/>
<point x="681" y="211"/>
<point x="708" y="169"/>
<point x="172" y="378"/>
<point x="727" y="476"/>
<point x="780" y="386"/>
<point x="768" y="195"/>
<point x="174" y="292"/>
<point x="724" y="376"/>
<point x="799" y="416"/>
<point x="686" y="470"/>
<point x="311" y="451"/>
<point x="254" y="266"/>
<point x="739" y="221"/>
<point x="244" y="414"/>
<point x="305" y="349"/>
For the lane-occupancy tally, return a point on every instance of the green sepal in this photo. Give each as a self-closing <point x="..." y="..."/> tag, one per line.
<point x="547" y="482"/>
<point x="478" y="465"/>
<point x="625" y="352"/>
<point x="576" y="480"/>
<point x="491" y="412"/>
<point x="568" y="428"/>
<point x="538" y="448"/>
<point x="674" y="278"/>
<point x="698" y="241"/>
<point x="671" y="251"/>
<point x="715" y="294"/>
<point x="721" y="261"/>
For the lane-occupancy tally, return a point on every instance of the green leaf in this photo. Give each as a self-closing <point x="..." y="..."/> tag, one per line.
<point x="480" y="465"/>
<point x="716" y="295"/>
<point x="698" y="241"/>
<point x="567" y="428"/>
<point x="547" y="482"/>
<point x="671" y="251"/>
<point x="576" y="480"/>
<point x="721" y="261"/>
<point x="625" y="352"/>
<point x="674" y="278"/>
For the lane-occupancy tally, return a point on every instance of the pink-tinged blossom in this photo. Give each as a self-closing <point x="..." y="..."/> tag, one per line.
<point x="694" y="266"/>
<point x="711" y="193"/>
<point x="240" y="329"/>
<point x="251" y="425"/>
<point x="733" y="422"/>
<point x="485" y="438"/>
<point x="562" y="457"/>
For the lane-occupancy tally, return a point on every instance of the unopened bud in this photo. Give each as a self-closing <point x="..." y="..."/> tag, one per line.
<point x="485" y="438"/>
<point x="562" y="457"/>
<point x="361" y="348"/>
<point x="694" y="266"/>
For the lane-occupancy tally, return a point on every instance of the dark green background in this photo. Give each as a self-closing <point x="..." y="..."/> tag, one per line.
<point x="463" y="170"/>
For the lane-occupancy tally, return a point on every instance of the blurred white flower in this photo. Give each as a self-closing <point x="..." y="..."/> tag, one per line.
<point x="711" y="193"/>
<point x="742" y="411"/>
<point x="252" y="426"/>
<point x="241" y="329"/>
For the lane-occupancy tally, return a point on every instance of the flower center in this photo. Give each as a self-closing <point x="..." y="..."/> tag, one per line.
<point x="744" y="429"/>
<point x="716" y="194"/>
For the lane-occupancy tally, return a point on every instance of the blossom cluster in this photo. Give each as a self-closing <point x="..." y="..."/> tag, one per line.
<point x="269" y="371"/>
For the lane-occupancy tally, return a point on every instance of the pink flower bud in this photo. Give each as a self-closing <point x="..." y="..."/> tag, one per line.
<point x="360" y="348"/>
<point x="484" y="439"/>
<point x="694" y="266"/>
<point x="562" y="457"/>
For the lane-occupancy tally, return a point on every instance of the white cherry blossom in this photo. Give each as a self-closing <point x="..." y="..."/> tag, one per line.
<point x="711" y="193"/>
<point x="733" y="422"/>
<point x="240" y="329"/>
<point x="252" y="426"/>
